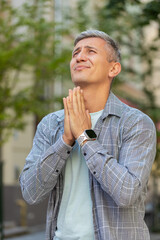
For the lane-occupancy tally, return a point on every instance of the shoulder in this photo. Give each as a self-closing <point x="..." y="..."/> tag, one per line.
<point x="133" y="119"/>
<point x="59" y="115"/>
<point x="51" y="120"/>
<point x="129" y="116"/>
<point x="134" y="115"/>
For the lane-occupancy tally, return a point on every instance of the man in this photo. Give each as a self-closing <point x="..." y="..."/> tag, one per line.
<point x="94" y="158"/>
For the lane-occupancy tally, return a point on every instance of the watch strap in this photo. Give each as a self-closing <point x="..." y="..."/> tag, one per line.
<point x="81" y="139"/>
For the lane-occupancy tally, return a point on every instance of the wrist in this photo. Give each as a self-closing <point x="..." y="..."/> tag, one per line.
<point x="83" y="142"/>
<point x="68" y="141"/>
<point x="87" y="135"/>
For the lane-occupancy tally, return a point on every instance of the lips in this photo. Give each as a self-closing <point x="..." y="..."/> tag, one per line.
<point x="80" y="67"/>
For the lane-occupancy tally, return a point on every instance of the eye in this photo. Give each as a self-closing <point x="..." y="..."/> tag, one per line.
<point x="92" y="51"/>
<point x="75" y="54"/>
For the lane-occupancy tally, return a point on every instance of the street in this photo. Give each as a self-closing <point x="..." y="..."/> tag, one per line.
<point x="41" y="236"/>
<point x="33" y="236"/>
<point x="155" y="236"/>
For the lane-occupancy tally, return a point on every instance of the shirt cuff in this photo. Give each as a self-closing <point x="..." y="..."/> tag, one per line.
<point x="90" y="148"/>
<point x="62" y="149"/>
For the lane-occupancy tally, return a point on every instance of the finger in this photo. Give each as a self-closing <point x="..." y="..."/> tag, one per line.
<point x="65" y="106"/>
<point x="71" y="95"/>
<point x="79" y="99"/>
<point x="69" y="105"/>
<point x="75" y="104"/>
<point x="82" y="102"/>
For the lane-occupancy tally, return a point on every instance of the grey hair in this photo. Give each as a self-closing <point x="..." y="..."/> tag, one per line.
<point x="115" y="54"/>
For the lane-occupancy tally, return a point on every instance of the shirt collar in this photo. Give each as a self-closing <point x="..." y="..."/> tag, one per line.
<point x="113" y="106"/>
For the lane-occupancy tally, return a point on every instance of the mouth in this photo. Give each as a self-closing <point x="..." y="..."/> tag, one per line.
<point x="80" y="67"/>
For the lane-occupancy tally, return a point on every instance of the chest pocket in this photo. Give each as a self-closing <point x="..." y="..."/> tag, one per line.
<point x="109" y="136"/>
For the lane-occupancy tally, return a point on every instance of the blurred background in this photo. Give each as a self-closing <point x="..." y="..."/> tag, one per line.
<point x="36" y="40"/>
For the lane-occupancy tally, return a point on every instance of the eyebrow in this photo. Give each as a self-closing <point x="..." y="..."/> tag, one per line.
<point x="89" y="47"/>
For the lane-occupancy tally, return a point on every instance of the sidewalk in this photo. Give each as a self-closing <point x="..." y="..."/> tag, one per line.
<point x="33" y="236"/>
<point x="41" y="236"/>
<point x="155" y="236"/>
<point x="32" y="233"/>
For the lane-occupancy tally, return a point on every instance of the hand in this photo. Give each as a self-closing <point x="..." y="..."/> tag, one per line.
<point x="79" y="117"/>
<point x="67" y="136"/>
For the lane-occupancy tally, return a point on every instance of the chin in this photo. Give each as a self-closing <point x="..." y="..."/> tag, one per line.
<point x="78" y="82"/>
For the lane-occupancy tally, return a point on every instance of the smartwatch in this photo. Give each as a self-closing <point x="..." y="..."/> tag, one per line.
<point x="87" y="135"/>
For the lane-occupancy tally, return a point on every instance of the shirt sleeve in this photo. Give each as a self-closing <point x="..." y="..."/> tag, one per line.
<point x="124" y="178"/>
<point x="44" y="163"/>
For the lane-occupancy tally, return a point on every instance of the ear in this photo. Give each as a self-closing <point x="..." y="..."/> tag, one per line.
<point x="115" y="69"/>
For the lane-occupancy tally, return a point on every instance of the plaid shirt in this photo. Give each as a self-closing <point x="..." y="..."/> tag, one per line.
<point x="119" y="164"/>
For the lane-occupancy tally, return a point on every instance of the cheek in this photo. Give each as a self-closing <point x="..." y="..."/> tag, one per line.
<point x="101" y="68"/>
<point x="71" y="69"/>
<point x="72" y="63"/>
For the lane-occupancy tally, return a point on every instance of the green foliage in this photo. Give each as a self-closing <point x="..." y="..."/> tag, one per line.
<point x="124" y="20"/>
<point x="79" y="19"/>
<point x="30" y="47"/>
<point x="151" y="12"/>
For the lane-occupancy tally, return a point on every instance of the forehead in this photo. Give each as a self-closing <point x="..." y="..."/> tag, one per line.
<point x="91" y="42"/>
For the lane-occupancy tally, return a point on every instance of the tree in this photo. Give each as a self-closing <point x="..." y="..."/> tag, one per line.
<point x="30" y="43"/>
<point x="12" y="103"/>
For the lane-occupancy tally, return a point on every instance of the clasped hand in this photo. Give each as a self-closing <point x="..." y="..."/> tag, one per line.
<point x="77" y="118"/>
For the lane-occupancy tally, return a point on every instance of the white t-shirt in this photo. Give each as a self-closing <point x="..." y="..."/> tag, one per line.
<point x="75" y="221"/>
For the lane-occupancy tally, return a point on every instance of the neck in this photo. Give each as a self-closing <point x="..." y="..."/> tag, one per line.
<point x="95" y="98"/>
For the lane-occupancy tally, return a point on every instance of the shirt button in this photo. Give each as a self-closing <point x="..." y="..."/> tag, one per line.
<point x="57" y="170"/>
<point x="94" y="172"/>
<point x="85" y="154"/>
<point x="68" y="152"/>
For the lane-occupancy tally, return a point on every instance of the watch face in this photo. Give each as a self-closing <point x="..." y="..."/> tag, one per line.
<point x="91" y="133"/>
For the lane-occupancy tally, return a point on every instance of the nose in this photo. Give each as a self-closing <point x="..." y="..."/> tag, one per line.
<point x="81" y="57"/>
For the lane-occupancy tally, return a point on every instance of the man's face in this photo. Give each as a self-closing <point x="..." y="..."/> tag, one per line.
<point x="89" y="63"/>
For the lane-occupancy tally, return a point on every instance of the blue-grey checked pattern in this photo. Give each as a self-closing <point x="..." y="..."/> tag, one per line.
<point x="119" y="164"/>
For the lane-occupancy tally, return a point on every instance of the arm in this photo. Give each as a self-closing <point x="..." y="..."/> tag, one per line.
<point x="44" y="163"/>
<point x="124" y="178"/>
